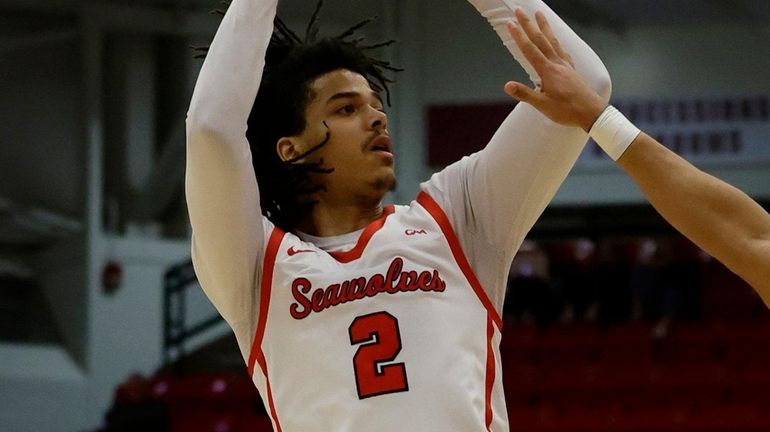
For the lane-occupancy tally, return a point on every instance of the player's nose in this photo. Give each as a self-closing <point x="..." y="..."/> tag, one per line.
<point x="378" y="119"/>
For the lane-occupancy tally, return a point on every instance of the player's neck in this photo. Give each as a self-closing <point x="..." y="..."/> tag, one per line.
<point x="330" y="220"/>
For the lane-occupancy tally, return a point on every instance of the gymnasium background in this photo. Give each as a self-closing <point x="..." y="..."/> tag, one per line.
<point x="94" y="234"/>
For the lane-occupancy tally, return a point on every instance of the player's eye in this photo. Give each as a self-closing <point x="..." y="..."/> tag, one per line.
<point x="347" y="109"/>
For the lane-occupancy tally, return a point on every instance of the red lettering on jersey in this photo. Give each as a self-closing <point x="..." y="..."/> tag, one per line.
<point x="424" y="280"/>
<point x="393" y="271"/>
<point x="374" y="285"/>
<point x="395" y="280"/>
<point x="332" y="295"/>
<point x="435" y="283"/>
<point x="408" y="281"/>
<point x="357" y="289"/>
<point x="318" y="300"/>
<point x="299" y="287"/>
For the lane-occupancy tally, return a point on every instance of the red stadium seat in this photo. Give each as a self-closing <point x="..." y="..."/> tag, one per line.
<point x="746" y="343"/>
<point x="542" y="418"/>
<point x="519" y="344"/>
<point x="655" y="419"/>
<point x="573" y="344"/>
<point x="628" y="343"/>
<point x="689" y="343"/>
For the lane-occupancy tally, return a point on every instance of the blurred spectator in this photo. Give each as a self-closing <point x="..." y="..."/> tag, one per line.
<point x="643" y="277"/>
<point x="574" y="278"/>
<point x="613" y="293"/>
<point x="531" y="297"/>
<point x="667" y="282"/>
<point x="611" y="280"/>
<point x="684" y="276"/>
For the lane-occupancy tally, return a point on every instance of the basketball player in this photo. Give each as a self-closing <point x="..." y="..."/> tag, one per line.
<point x="720" y="219"/>
<point x="353" y="315"/>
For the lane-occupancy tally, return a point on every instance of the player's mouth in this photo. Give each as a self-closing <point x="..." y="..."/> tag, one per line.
<point x="381" y="144"/>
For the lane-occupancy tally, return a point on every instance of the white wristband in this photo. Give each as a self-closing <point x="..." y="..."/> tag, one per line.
<point x="613" y="132"/>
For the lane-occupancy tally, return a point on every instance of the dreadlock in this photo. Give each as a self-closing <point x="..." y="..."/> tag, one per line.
<point x="291" y="65"/>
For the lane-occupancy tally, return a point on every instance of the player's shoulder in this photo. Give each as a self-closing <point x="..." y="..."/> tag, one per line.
<point x="450" y="185"/>
<point x="413" y="209"/>
<point x="420" y="212"/>
<point x="267" y="225"/>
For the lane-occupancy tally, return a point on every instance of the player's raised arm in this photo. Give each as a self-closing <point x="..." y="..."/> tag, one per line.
<point x="221" y="187"/>
<point x="529" y="156"/>
<point x="509" y="183"/>
<point x="717" y="217"/>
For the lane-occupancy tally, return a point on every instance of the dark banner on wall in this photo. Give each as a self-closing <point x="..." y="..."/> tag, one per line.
<point x="716" y="131"/>
<point x="707" y="131"/>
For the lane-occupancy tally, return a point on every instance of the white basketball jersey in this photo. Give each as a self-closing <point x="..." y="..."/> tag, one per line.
<point x="393" y="335"/>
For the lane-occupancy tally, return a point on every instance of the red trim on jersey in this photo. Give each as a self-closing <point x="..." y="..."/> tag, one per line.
<point x="490" y="378"/>
<point x="271" y="405"/>
<point x="256" y="355"/>
<point x="363" y="240"/>
<point x="271" y="251"/>
<point x="441" y="218"/>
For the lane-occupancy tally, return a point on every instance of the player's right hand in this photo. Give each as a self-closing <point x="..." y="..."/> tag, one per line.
<point x="563" y="96"/>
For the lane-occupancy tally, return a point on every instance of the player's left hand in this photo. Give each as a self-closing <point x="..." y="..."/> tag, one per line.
<point x="564" y="96"/>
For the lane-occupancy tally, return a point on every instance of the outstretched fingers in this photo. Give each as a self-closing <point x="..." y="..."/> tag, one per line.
<point x="563" y="96"/>
<point x="535" y="35"/>
<point x="545" y="27"/>
<point x="531" y="52"/>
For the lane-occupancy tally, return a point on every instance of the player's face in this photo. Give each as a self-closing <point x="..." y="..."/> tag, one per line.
<point x="359" y="147"/>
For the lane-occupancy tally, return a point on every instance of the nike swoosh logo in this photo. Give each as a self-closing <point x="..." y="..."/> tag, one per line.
<point x="293" y="251"/>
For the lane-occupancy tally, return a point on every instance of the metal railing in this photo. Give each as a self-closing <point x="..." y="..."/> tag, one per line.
<point x="176" y="329"/>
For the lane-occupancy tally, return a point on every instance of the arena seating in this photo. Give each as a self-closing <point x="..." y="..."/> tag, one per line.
<point x="709" y="375"/>
<point x="197" y="402"/>
<point x="704" y="377"/>
<point x="701" y="377"/>
<point x="211" y="403"/>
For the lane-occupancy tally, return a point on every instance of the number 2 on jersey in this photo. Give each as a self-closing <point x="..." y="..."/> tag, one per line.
<point x="380" y="341"/>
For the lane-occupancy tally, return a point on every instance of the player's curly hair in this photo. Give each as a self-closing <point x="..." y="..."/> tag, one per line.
<point x="291" y="65"/>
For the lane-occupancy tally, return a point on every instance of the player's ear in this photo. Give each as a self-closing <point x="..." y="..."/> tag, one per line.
<point x="287" y="148"/>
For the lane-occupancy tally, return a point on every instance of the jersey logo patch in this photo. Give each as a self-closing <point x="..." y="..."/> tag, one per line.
<point x="293" y="251"/>
<point x="411" y="232"/>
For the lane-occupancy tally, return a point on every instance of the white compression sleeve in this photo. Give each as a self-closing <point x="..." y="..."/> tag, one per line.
<point x="499" y="12"/>
<point x="505" y="187"/>
<point x="221" y="187"/>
